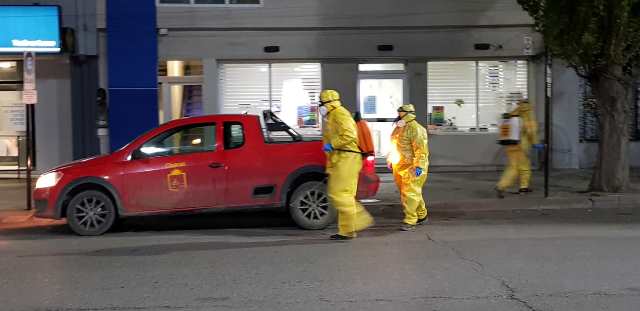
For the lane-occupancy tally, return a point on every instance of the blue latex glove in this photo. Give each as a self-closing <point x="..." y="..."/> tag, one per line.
<point x="327" y="148"/>
<point x="538" y="146"/>
<point x="418" y="171"/>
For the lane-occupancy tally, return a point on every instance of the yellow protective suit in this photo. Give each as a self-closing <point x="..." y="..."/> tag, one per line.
<point x="519" y="164"/>
<point x="410" y="143"/>
<point x="343" y="167"/>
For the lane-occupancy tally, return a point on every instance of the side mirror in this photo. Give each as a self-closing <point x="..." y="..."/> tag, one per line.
<point x="137" y="155"/>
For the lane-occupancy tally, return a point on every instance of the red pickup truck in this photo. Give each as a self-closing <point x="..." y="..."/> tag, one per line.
<point x="201" y="163"/>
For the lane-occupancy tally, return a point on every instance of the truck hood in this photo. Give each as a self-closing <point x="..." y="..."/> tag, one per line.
<point x="96" y="160"/>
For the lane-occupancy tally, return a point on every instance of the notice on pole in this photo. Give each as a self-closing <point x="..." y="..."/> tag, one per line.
<point x="30" y="97"/>
<point x="29" y="71"/>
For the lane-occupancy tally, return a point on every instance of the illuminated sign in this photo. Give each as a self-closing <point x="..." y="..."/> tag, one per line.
<point x="29" y="28"/>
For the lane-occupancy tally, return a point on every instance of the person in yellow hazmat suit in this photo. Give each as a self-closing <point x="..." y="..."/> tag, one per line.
<point x="344" y="162"/>
<point x="519" y="164"/>
<point x="409" y="160"/>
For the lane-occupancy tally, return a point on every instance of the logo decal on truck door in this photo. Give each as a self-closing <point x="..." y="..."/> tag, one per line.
<point x="175" y="165"/>
<point x="177" y="180"/>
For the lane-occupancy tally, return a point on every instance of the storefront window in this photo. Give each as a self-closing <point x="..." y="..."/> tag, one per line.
<point x="502" y="84"/>
<point x="10" y="75"/>
<point x="472" y="95"/>
<point x="451" y="88"/>
<point x="289" y="89"/>
<point x="12" y="116"/>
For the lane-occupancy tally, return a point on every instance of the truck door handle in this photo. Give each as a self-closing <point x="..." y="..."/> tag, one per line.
<point x="216" y="165"/>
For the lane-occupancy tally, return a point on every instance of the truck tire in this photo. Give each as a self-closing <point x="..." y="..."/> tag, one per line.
<point x="309" y="206"/>
<point x="90" y="212"/>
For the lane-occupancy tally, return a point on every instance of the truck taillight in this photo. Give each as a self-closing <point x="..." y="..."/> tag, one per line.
<point x="370" y="162"/>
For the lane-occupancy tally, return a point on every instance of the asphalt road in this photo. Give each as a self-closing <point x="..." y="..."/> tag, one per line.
<point x="556" y="260"/>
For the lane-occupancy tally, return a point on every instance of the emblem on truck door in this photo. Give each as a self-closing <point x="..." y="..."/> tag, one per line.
<point x="177" y="180"/>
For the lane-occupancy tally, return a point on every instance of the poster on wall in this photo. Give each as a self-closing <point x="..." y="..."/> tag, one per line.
<point x="308" y="116"/>
<point x="370" y="105"/>
<point x="12" y="114"/>
<point x="437" y="117"/>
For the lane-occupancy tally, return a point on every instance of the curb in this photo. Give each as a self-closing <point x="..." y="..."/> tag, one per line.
<point x="621" y="202"/>
<point x="14" y="217"/>
<point x="513" y="204"/>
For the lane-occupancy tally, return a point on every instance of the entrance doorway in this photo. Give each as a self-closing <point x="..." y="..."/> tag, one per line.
<point x="380" y="94"/>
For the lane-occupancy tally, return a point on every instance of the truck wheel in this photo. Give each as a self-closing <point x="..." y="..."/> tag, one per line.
<point x="90" y="213"/>
<point x="309" y="206"/>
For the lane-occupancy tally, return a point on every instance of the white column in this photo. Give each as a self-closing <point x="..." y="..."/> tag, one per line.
<point x="175" y="68"/>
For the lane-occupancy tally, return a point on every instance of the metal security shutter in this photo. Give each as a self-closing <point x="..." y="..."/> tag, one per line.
<point x="289" y="89"/>
<point x="451" y="82"/>
<point x="501" y="84"/>
<point x="244" y="88"/>
<point x="589" y="119"/>
<point x="295" y="88"/>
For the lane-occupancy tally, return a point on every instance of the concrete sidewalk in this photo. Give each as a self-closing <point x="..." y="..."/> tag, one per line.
<point x="12" y="201"/>
<point x="445" y="192"/>
<point x="474" y="191"/>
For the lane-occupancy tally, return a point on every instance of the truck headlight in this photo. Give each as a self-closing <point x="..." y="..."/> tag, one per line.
<point x="48" y="180"/>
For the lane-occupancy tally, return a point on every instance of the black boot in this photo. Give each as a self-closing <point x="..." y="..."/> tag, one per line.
<point x="339" y="237"/>
<point x="525" y="190"/>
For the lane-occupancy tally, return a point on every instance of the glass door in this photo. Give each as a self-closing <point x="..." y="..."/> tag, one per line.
<point x="12" y="117"/>
<point x="380" y="95"/>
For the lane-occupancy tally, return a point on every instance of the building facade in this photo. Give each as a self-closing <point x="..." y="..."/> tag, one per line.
<point x="461" y="63"/>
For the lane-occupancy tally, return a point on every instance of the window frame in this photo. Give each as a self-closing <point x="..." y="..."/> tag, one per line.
<point x="382" y="71"/>
<point x="225" y="5"/>
<point x="477" y="128"/>
<point x="137" y="154"/>
<point x="227" y="130"/>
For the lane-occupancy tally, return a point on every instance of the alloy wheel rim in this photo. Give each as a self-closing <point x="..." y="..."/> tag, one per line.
<point x="314" y="205"/>
<point x="91" y="214"/>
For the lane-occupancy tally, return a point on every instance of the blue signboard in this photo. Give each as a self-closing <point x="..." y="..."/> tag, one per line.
<point x="29" y="28"/>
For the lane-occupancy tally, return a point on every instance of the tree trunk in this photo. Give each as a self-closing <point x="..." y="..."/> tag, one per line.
<point x="613" y="97"/>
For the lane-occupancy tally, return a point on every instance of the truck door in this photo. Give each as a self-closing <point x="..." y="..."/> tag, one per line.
<point x="180" y="168"/>
<point x="247" y="181"/>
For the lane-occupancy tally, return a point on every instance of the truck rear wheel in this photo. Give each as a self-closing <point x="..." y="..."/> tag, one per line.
<point x="309" y="206"/>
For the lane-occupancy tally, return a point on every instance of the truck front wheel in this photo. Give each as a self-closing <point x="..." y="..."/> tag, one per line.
<point x="309" y="206"/>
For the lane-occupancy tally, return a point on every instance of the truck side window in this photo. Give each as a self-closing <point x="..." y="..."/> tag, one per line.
<point x="183" y="140"/>
<point x="233" y="135"/>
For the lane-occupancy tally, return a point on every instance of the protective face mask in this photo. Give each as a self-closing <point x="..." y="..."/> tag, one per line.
<point x="323" y="111"/>
<point x="401" y="123"/>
